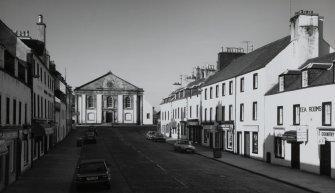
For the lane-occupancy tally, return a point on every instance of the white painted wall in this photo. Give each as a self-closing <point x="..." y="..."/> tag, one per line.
<point x="309" y="151"/>
<point x="147" y="111"/>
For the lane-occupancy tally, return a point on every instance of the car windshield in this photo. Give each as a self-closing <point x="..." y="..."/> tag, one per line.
<point x="92" y="168"/>
<point x="159" y="135"/>
<point x="184" y="142"/>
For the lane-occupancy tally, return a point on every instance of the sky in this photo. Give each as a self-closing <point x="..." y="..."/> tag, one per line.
<point x="150" y="43"/>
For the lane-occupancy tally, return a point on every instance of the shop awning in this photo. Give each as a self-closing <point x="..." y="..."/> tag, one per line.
<point x="48" y="129"/>
<point x="290" y="136"/>
<point x="38" y="130"/>
<point x="3" y="147"/>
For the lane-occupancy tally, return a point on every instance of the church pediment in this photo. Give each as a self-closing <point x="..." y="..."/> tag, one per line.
<point x="109" y="81"/>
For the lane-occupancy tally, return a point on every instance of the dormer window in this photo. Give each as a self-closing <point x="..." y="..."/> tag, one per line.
<point x="281" y="83"/>
<point x="304" y="78"/>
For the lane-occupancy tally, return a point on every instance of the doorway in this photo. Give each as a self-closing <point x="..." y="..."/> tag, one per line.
<point x="247" y="144"/>
<point x="109" y="117"/>
<point x="325" y="159"/>
<point x="210" y="139"/>
<point x="7" y="166"/>
<point x="295" y="155"/>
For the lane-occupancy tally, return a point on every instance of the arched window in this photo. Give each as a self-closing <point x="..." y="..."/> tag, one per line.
<point x="90" y="102"/>
<point x="110" y="102"/>
<point x="127" y="102"/>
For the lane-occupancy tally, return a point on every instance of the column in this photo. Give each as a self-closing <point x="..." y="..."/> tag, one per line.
<point x="99" y="108"/>
<point x="78" y="107"/>
<point x="83" y="107"/>
<point x="120" y="109"/>
<point x="135" y="109"/>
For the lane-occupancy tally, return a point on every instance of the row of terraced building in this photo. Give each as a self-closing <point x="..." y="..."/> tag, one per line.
<point x="272" y="104"/>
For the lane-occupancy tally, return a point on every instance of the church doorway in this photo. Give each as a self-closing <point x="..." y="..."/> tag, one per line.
<point x="109" y="117"/>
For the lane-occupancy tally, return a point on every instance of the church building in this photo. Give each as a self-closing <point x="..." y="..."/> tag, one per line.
<point x="110" y="99"/>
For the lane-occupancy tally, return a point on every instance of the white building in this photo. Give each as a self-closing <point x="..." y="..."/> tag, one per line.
<point x="15" y="107"/>
<point x="299" y="124"/>
<point x="243" y="83"/>
<point x="42" y="91"/>
<point x="180" y="111"/>
<point x="111" y="100"/>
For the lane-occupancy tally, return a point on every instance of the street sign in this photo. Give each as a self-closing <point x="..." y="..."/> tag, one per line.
<point x="321" y="141"/>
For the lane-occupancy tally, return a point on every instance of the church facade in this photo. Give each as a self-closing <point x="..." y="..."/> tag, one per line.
<point x="111" y="100"/>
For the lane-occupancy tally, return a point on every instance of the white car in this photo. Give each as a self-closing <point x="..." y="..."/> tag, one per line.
<point x="150" y="134"/>
<point x="185" y="146"/>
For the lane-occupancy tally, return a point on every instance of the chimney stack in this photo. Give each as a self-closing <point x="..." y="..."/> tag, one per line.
<point x="41" y="29"/>
<point x="225" y="58"/>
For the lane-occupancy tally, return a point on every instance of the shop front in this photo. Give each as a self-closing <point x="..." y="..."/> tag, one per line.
<point x="9" y="138"/>
<point x="326" y="137"/>
<point x="226" y="135"/>
<point x="194" y="131"/>
<point x="38" y="135"/>
<point x="3" y="153"/>
<point x="209" y="131"/>
<point x="296" y="135"/>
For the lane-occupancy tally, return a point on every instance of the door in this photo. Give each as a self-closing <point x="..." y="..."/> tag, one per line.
<point x="7" y="166"/>
<point x="239" y="142"/>
<point x="210" y="139"/>
<point x="109" y="117"/>
<point x="247" y="144"/>
<point x="295" y="155"/>
<point x="325" y="159"/>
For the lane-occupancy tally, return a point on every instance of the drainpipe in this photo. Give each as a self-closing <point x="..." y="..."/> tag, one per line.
<point x="235" y="133"/>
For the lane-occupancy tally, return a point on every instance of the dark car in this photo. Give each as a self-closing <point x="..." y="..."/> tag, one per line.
<point x="92" y="172"/>
<point x="150" y="134"/>
<point x="90" y="137"/>
<point x="158" y="137"/>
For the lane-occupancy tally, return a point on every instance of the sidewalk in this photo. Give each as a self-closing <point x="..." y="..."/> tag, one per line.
<point x="53" y="173"/>
<point x="298" y="178"/>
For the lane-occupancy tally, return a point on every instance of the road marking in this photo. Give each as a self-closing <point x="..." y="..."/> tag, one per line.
<point x="160" y="167"/>
<point x="180" y="182"/>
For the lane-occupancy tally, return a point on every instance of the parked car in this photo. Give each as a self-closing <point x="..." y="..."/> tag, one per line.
<point x="158" y="137"/>
<point x="93" y="129"/>
<point x="150" y="134"/>
<point x="90" y="137"/>
<point x="185" y="146"/>
<point x="92" y="172"/>
<point x="80" y="141"/>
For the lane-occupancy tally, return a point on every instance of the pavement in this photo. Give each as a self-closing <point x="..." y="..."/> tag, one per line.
<point x="307" y="181"/>
<point x="52" y="173"/>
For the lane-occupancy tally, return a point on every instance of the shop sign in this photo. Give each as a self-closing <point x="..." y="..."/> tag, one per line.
<point x="302" y="134"/>
<point x="327" y="135"/>
<point x="9" y="135"/>
<point x="311" y="109"/>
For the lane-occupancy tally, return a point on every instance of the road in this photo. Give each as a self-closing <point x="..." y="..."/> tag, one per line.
<point x="142" y="166"/>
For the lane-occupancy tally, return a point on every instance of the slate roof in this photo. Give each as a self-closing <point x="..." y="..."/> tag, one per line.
<point x="195" y="83"/>
<point x="250" y="62"/>
<point x="117" y="84"/>
<point x="326" y="77"/>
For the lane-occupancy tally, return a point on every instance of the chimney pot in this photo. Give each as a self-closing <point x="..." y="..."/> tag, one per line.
<point x="40" y="18"/>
